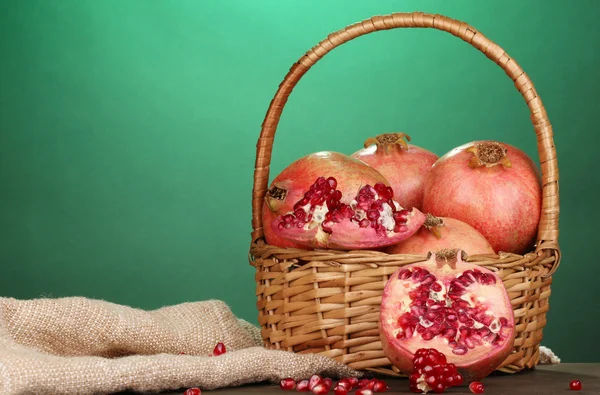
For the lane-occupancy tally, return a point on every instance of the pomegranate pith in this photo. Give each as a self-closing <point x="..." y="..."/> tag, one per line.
<point x="458" y="308"/>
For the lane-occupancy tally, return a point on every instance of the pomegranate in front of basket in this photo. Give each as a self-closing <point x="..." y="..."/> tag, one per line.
<point x="438" y="233"/>
<point x="458" y="308"/>
<point x="330" y="200"/>
<point x="404" y="165"/>
<point x="492" y="186"/>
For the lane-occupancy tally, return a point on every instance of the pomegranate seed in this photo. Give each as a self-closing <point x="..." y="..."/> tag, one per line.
<point x="362" y="383"/>
<point x="302" y="386"/>
<point x="193" y="391"/>
<point x="327" y="382"/>
<point x="287" y="384"/>
<point x="314" y="380"/>
<point x="320" y="389"/>
<point x="476" y="387"/>
<point x="380" y="386"/>
<point x="344" y="383"/>
<point x="219" y="349"/>
<point x="575" y="385"/>
<point x="353" y="381"/>
<point x="340" y="390"/>
<point x="364" y="391"/>
<point x="181" y="353"/>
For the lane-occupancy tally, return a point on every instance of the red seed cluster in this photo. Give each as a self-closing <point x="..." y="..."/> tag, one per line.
<point x="369" y="206"/>
<point x="455" y="321"/>
<point x="431" y="372"/>
<point x="318" y="385"/>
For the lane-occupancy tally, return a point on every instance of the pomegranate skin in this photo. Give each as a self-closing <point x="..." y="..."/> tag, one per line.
<point x="454" y="234"/>
<point x="502" y="202"/>
<point x="296" y="217"/>
<point x="399" y="344"/>
<point x="404" y="165"/>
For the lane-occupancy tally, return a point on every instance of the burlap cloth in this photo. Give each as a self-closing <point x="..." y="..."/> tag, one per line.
<point x="83" y="346"/>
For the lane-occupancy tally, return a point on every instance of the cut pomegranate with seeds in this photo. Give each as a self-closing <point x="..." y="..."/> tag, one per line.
<point x="314" y="380"/>
<point x="476" y="387"/>
<point x="302" y="386"/>
<point x="287" y="384"/>
<point x="432" y="372"/>
<point x="575" y="385"/>
<point x="345" y="204"/>
<point x="193" y="391"/>
<point x="459" y="308"/>
<point x="219" y="349"/>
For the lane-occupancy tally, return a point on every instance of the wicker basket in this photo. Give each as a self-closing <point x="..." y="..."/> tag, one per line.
<point x="327" y="301"/>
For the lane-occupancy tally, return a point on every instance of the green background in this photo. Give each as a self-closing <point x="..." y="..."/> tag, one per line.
<point x="128" y="132"/>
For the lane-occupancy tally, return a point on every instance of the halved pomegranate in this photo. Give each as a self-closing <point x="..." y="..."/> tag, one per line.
<point x="458" y="308"/>
<point x="347" y="205"/>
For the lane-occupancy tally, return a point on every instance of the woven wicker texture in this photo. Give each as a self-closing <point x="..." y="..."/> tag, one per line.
<point x="327" y="301"/>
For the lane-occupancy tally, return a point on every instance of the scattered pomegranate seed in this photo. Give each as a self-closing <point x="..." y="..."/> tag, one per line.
<point x="219" y="349"/>
<point x="314" y="380"/>
<point x="380" y="386"/>
<point x="345" y="383"/>
<point x="287" y="384"/>
<point x="575" y="385"/>
<point x="363" y="391"/>
<point x="302" y="386"/>
<point x="340" y="390"/>
<point x="327" y="382"/>
<point x="320" y="389"/>
<point x="181" y="353"/>
<point x="192" y="391"/>
<point x="476" y="387"/>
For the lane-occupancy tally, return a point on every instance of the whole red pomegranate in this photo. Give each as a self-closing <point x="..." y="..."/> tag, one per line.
<point x="492" y="186"/>
<point x="404" y="165"/>
<point x="457" y="308"/>
<point x="438" y="233"/>
<point x="330" y="200"/>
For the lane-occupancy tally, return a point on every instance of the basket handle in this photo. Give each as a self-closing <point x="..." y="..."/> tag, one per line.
<point x="548" y="227"/>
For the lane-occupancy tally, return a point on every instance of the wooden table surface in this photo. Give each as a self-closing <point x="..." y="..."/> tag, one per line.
<point x="544" y="380"/>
